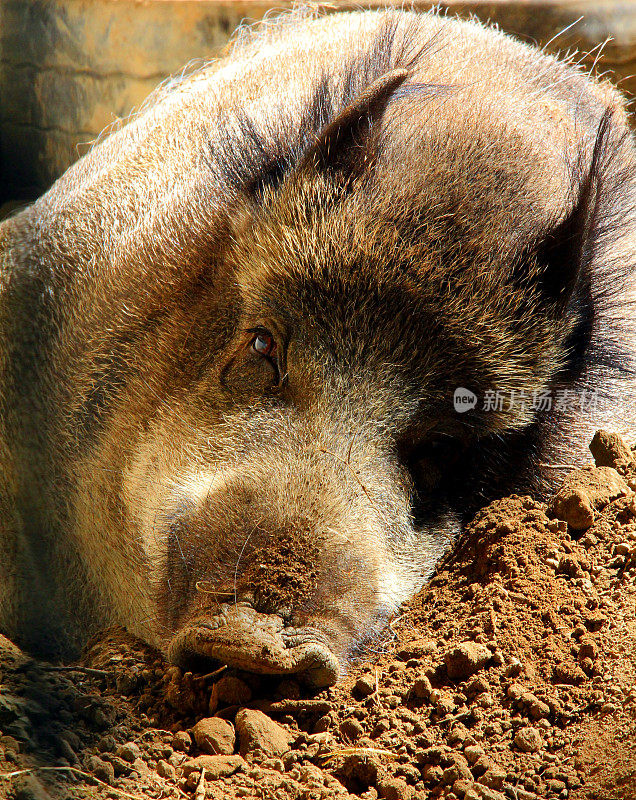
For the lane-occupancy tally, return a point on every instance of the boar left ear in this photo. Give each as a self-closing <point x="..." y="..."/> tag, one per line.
<point x="341" y="146"/>
<point x="565" y="252"/>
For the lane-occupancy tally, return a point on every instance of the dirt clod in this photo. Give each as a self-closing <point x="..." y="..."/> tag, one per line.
<point x="257" y="731"/>
<point x="528" y="740"/>
<point x="102" y="769"/>
<point x="365" y="685"/>
<point x="395" y="789"/>
<point x="128" y="751"/>
<point x="214" y="736"/>
<point x="28" y="787"/>
<point x="351" y="729"/>
<point x="229" y="691"/>
<point x="609" y="450"/>
<point x="584" y="492"/>
<point x="215" y="766"/>
<point x="465" y="659"/>
<point x="166" y="770"/>
<point x="182" y="741"/>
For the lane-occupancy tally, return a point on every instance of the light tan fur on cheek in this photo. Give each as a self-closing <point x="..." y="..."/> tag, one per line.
<point x="153" y="508"/>
<point x="110" y="525"/>
<point x="154" y="489"/>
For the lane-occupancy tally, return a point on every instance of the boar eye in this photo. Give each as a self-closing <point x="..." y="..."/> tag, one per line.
<point x="264" y="344"/>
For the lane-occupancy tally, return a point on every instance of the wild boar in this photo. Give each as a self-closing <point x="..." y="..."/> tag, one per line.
<point x="265" y="347"/>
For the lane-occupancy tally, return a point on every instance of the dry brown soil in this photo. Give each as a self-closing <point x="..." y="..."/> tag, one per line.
<point x="511" y="675"/>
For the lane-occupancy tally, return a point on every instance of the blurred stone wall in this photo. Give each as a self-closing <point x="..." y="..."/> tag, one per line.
<point x="70" y="68"/>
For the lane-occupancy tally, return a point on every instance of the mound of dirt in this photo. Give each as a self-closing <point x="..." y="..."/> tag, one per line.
<point x="512" y="675"/>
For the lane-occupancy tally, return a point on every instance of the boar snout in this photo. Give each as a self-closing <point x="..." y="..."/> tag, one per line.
<point x="289" y="578"/>
<point x="242" y="637"/>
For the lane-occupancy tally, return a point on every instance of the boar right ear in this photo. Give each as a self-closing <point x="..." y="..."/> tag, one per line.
<point x="342" y="145"/>
<point x="565" y="252"/>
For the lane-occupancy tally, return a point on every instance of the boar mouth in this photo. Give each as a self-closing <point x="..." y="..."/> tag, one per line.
<point x="242" y="637"/>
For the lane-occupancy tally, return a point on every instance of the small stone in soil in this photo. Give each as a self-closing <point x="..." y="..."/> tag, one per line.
<point x="182" y="741"/>
<point x="129" y="752"/>
<point x="465" y="659"/>
<point x="528" y="740"/>
<point x="214" y="736"/>
<point x="257" y="731"/>
<point x="167" y="771"/>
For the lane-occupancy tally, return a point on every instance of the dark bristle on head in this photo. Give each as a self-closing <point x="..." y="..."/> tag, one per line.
<point x="258" y="156"/>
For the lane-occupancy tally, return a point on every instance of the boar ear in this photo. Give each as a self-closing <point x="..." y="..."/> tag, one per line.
<point x="566" y="251"/>
<point x="341" y="146"/>
<point x="563" y="253"/>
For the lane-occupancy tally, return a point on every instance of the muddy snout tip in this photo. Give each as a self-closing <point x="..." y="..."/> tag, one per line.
<point x="242" y="637"/>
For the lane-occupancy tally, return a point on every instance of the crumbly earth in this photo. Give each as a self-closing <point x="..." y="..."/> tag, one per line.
<point x="284" y="571"/>
<point x="511" y="675"/>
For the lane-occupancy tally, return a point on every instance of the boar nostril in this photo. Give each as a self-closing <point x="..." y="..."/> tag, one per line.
<point x="294" y="637"/>
<point x="214" y="623"/>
